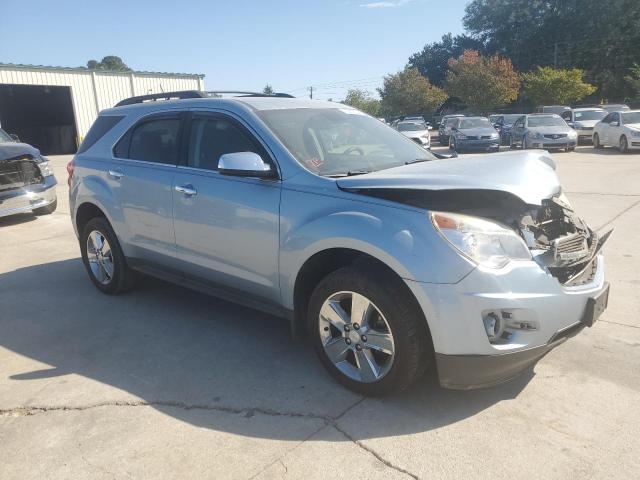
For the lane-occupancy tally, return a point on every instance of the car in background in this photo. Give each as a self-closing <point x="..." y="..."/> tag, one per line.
<point x="413" y="118"/>
<point x="416" y="131"/>
<point x="540" y="130"/>
<point x="474" y="133"/>
<point x="618" y="129"/>
<point x="503" y="124"/>
<point x="444" y="130"/>
<point x="615" y="107"/>
<point x="557" y="109"/>
<point x="582" y="120"/>
<point x="27" y="183"/>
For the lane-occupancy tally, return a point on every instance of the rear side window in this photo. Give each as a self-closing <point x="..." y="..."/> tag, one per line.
<point x="212" y="137"/>
<point x="99" y="128"/>
<point x="154" y="140"/>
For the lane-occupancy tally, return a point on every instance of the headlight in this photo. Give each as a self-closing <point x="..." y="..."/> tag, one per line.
<point x="635" y="133"/>
<point x="495" y="135"/>
<point x="531" y="134"/>
<point x="573" y="134"/>
<point x="483" y="241"/>
<point x="43" y="165"/>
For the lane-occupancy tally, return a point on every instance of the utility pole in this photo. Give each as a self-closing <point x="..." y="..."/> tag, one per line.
<point x="310" y="92"/>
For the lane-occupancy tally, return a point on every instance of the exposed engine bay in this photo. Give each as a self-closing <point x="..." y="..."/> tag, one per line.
<point x="559" y="240"/>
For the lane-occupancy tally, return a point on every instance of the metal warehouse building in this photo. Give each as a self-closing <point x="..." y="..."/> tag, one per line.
<point x="52" y="108"/>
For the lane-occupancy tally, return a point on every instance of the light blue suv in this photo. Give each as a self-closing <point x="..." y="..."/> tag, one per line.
<point x="388" y="257"/>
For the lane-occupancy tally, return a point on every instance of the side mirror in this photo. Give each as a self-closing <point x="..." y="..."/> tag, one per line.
<point x="244" y="164"/>
<point x="15" y="137"/>
<point x="615" y="124"/>
<point x="570" y="124"/>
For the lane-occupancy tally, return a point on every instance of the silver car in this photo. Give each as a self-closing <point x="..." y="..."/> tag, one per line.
<point x="582" y="120"/>
<point x="386" y="256"/>
<point x="27" y="183"/>
<point x="541" y="130"/>
<point x="416" y="131"/>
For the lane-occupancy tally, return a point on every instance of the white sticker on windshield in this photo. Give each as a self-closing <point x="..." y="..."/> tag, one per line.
<point x="351" y="111"/>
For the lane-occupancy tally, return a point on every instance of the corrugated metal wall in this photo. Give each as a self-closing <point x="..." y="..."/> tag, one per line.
<point x="110" y="87"/>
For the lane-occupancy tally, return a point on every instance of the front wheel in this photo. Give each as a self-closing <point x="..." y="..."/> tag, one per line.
<point x="624" y="145"/>
<point x="452" y="144"/>
<point x="524" y="143"/>
<point x="103" y="258"/>
<point x="368" y="331"/>
<point x="596" y="141"/>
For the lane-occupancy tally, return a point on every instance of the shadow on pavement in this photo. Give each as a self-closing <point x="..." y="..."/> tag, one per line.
<point x="167" y="345"/>
<point x="17" y="219"/>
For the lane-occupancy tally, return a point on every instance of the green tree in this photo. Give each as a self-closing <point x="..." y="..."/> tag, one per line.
<point x="482" y="83"/>
<point x="633" y="80"/>
<point x="432" y="60"/>
<point x="547" y="86"/>
<point x="110" y="62"/>
<point x="599" y="37"/>
<point x="268" y="90"/>
<point x="362" y="100"/>
<point x="409" y="93"/>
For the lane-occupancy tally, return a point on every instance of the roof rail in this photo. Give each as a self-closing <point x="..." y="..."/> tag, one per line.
<point x="161" y="96"/>
<point x="154" y="97"/>
<point x="240" y="93"/>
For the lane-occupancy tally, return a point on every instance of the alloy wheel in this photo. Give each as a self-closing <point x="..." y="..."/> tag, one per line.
<point x="100" y="257"/>
<point x="356" y="337"/>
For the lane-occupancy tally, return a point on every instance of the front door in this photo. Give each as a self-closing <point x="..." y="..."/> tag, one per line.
<point x="227" y="228"/>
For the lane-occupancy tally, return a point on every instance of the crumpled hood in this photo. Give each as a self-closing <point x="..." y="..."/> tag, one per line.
<point x="12" y="150"/>
<point x="528" y="175"/>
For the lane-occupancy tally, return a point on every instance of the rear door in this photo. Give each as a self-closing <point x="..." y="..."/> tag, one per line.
<point x="142" y="179"/>
<point x="614" y="130"/>
<point x="226" y="227"/>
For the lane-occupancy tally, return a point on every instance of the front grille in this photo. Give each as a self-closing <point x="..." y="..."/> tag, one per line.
<point x="555" y="136"/>
<point x="486" y="137"/>
<point x="586" y="128"/>
<point x="472" y="137"/>
<point x="554" y="145"/>
<point x="18" y="173"/>
<point x="585" y="276"/>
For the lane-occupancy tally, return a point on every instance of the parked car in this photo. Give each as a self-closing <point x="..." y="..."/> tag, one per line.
<point x="615" y="107"/>
<point x="618" y="129"/>
<point x="27" y="183"/>
<point x="444" y="130"/>
<point x="503" y="124"/>
<point x="557" y="109"/>
<point x="388" y="257"/>
<point x="474" y="133"/>
<point x="582" y="120"/>
<point x="539" y="130"/>
<point x="413" y="118"/>
<point x="416" y="131"/>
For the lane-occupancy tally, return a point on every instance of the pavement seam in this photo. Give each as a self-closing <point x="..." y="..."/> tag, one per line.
<point x="604" y="194"/>
<point x="621" y="324"/>
<point x="630" y="207"/>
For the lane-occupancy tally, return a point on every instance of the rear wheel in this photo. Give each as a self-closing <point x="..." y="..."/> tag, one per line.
<point x="624" y="145"/>
<point x="47" y="209"/>
<point x="103" y="258"/>
<point x="524" y="142"/>
<point x="368" y="331"/>
<point x="596" y="141"/>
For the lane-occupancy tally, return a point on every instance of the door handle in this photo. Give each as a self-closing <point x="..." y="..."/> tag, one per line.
<point x="116" y="174"/>
<point x="186" y="190"/>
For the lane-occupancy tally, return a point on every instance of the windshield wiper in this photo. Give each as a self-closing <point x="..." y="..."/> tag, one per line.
<point x="417" y="160"/>
<point x="358" y="172"/>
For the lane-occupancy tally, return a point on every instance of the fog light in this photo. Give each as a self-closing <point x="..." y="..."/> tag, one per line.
<point x="493" y="326"/>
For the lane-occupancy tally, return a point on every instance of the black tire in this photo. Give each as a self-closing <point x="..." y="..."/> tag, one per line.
<point x="623" y="144"/>
<point x="596" y="141"/>
<point x="47" y="209"/>
<point x="512" y="145"/>
<point x="571" y="149"/>
<point x="406" y="322"/>
<point x="123" y="278"/>
<point x="452" y="144"/>
<point x="524" y="143"/>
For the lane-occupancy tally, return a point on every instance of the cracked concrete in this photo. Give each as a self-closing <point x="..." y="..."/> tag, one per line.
<point x="167" y="383"/>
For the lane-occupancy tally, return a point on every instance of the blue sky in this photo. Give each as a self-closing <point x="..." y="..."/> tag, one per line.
<point x="242" y="44"/>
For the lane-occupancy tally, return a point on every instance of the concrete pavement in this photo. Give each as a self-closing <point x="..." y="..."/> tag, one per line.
<point x="169" y="383"/>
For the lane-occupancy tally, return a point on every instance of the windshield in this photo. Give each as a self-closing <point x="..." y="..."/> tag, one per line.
<point x="630" y="118"/>
<point x="475" y="123"/>
<point x="510" y="119"/>
<point x="4" y="137"/>
<point x="335" y="141"/>
<point x="411" y="127"/>
<point x="546" y="121"/>
<point x="590" y="115"/>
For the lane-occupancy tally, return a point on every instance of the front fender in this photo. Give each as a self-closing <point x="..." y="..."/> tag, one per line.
<point x="403" y="239"/>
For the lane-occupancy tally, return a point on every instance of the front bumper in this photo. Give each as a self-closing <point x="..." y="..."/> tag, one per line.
<point x="585" y="133"/>
<point x="27" y="199"/>
<point x="465" y="357"/>
<point x="478" y="144"/>
<point x="549" y="143"/>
